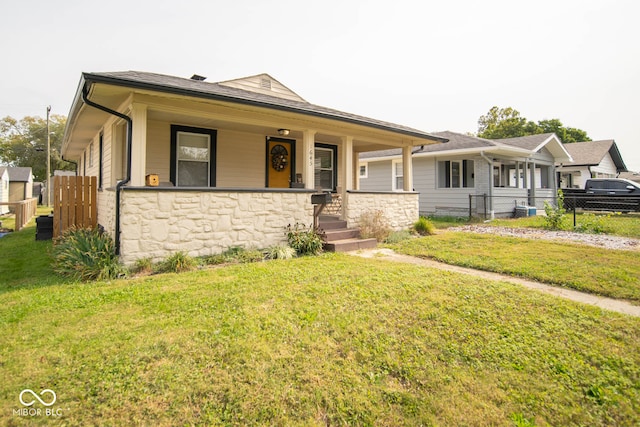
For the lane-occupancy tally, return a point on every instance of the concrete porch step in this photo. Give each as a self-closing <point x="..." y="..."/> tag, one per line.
<point x="341" y="234"/>
<point x="327" y="222"/>
<point x="338" y="238"/>
<point x="347" y="245"/>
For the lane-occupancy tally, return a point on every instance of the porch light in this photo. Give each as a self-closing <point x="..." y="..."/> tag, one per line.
<point x="283" y="132"/>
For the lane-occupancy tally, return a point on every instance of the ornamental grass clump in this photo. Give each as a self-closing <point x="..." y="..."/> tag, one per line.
<point x="374" y="224"/>
<point x="177" y="263"/>
<point x="424" y="227"/>
<point x="86" y="254"/>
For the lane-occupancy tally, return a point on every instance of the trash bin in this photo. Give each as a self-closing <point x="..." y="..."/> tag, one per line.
<point x="44" y="227"/>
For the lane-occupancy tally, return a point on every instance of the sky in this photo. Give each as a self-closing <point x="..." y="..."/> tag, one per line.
<point x="431" y="65"/>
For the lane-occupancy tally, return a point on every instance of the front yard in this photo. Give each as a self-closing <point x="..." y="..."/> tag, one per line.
<point x="322" y="340"/>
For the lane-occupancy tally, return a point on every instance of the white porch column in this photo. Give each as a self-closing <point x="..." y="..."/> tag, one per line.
<point x="347" y="163"/>
<point x="533" y="184"/>
<point x="138" y="145"/>
<point x="407" y="168"/>
<point x="308" y="147"/>
<point x="517" y="174"/>
<point x="525" y="175"/>
<point x="356" y="171"/>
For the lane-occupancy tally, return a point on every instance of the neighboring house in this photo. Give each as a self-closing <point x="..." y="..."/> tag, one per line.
<point x="237" y="161"/>
<point x="4" y="190"/>
<point x="454" y="177"/>
<point x="20" y="183"/>
<point x="591" y="159"/>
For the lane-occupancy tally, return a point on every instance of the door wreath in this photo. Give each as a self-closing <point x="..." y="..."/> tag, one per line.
<point x="279" y="157"/>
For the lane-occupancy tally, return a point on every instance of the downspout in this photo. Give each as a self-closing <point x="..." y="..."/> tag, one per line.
<point x="71" y="161"/>
<point x="490" y="162"/>
<point x="128" y="177"/>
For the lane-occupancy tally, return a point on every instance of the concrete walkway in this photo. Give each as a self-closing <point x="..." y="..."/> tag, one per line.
<point x="619" y="306"/>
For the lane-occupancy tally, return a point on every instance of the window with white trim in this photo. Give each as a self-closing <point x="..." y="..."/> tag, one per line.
<point x="456" y="174"/>
<point x="193" y="153"/>
<point x="325" y="172"/>
<point x="398" y="175"/>
<point x="364" y="170"/>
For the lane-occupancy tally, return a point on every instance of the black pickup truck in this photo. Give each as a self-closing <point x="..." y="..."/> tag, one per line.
<point x="604" y="194"/>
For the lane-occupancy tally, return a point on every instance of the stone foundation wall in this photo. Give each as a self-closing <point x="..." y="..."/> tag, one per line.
<point x="107" y="211"/>
<point x="156" y="224"/>
<point x="400" y="208"/>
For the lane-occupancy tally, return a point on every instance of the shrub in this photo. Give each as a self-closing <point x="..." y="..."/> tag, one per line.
<point x="424" y="227"/>
<point x="590" y="223"/>
<point x="373" y="224"/>
<point x="86" y="254"/>
<point x="555" y="214"/>
<point x="177" y="263"/>
<point x="280" y="252"/>
<point x="304" y="240"/>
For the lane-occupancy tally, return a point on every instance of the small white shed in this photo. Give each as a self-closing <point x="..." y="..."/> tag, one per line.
<point x="4" y="190"/>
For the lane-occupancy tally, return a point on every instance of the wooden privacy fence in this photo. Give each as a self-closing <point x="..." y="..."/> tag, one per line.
<point x="74" y="203"/>
<point x="24" y="210"/>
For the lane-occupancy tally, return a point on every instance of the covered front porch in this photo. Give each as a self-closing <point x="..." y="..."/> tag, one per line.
<point x="203" y="178"/>
<point x="520" y="182"/>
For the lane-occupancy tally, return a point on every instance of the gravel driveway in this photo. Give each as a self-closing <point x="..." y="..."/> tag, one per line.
<point x="599" y="240"/>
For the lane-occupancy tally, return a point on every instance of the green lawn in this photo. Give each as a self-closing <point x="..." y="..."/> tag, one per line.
<point x="334" y="339"/>
<point x="611" y="273"/>
<point x="326" y="340"/>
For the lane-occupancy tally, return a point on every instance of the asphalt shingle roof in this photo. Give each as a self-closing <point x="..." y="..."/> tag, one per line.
<point x="19" y="174"/>
<point x="590" y="152"/>
<point x="457" y="141"/>
<point x="202" y="89"/>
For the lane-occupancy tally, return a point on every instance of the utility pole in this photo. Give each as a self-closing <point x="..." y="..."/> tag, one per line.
<point x="48" y="158"/>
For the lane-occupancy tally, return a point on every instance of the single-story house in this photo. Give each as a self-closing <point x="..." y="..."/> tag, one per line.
<point x="591" y="159"/>
<point x="4" y="190"/>
<point x="469" y="173"/>
<point x="187" y="165"/>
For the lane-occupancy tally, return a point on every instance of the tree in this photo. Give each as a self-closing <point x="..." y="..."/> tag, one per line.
<point x="24" y="143"/>
<point x="501" y="123"/>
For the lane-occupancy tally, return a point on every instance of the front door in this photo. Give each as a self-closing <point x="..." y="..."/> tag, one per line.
<point x="280" y="159"/>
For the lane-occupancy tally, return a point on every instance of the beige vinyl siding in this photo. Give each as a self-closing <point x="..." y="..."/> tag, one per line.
<point x="240" y="160"/>
<point x="92" y="157"/>
<point x="265" y="85"/>
<point x="106" y="157"/>
<point x="158" y="150"/>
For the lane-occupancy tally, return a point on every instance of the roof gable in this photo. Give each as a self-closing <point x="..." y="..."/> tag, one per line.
<point x="536" y="143"/>
<point x="591" y="153"/>
<point x="19" y="174"/>
<point x="264" y="84"/>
